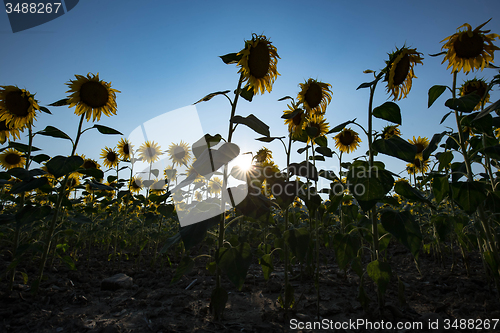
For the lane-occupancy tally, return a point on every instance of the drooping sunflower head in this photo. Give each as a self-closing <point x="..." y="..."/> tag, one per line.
<point x="12" y="158"/>
<point x="89" y="163"/>
<point x="149" y="151"/>
<point x="319" y="125"/>
<point x="297" y="122"/>
<point x="390" y="130"/>
<point x="179" y="153"/>
<point x="7" y="131"/>
<point x="476" y="86"/>
<point x="110" y="157"/>
<point x="135" y="184"/>
<point x="315" y="96"/>
<point x="469" y="49"/>
<point x="418" y="166"/>
<point x="420" y="144"/>
<point x="263" y="155"/>
<point x="347" y="140"/>
<point x="400" y="73"/>
<point x="258" y="63"/>
<point x="125" y="149"/>
<point x="17" y="107"/>
<point x="92" y="97"/>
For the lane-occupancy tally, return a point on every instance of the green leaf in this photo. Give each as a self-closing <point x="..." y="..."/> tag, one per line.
<point x="231" y="58"/>
<point x="235" y="262"/>
<point x="106" y="130"/>
<point x="304" y="169"/>
<point x="254" y="123"/>
<point x="54" y="132"/>
<point x="212" y="95"/>
<point x="218" y="302"/>
<point x="266" y="262"/>
<point x="325" y="151"/>
<point x="292" y="114"/>
<point x="404" y="228"/>
<point x="186" y="265"/>
<point x="321" y="141"/>
<point x="328" y="174"/>
<point x="61" y="102"/>
<point x="366" y="84"/>
<point x="22" y="147"/>
<point x="389" y="111"/>
<point x="92" y="172"/>
<point x="44" y="109"/>
<point x="316" y="158"/>
<point x="171" y="241"/>
<point x="28" y="185"/>
<point x="396" y="147"/>
<point x="406" y="190"/>
<point x="194" y="234"/>
<point x="29" y="214"/>
<point x="247" y="93"/>
<point x="440" y="187"/>
<point x="20" y="173"/>
<point x="207" y="141"/>
<point x="298" y="241"/>
<point x="346" y="248"/>
<point x="434" y="93"/>
<point x="312" y="131"/>
<point x="40" y="158"/>
<point x="444" y="159"/>
<point x="444" y="117"/>
<point x="433" y="145"/>
<point x="380" y="273"/>
<point x="62" y="165"/>
<point x="468" y="195"/>
<point x="340" y="127"/>
<point x="493" y="107"/>
<point x="465" y="103"/>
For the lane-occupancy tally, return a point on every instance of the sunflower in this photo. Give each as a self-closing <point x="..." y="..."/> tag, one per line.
<point x="110" y="157"/>
<point x="191" y="171"/>
<point x="6" y="131"/>
<point x="73" y="180"/>
<point x="469" y="49"/>
<point x="92" y="96"/>
<point x="215" y="185"/>
<point x="315" y="96"/>
<point x="347" y="140"/>
<point x="390" y="130"/>
<point x="170" y="173"/>
<point x="149" y="151"/>
<point x="418" y="166"/>
<point x="17" y="106"/>
<point x="11" y="158"/>
<point x="497" y="133"/>
<point x="477" y="86"/>
<point x="135" y="184"/>
<point x="125" y="149"/>
<point x="318" y="122"/>
<point x="89" y="163"/>
<point x="400" y="73"/>
<point x="420" y="144"/>
<point x="258" y="64"/>
<point x="198" y="196"/>
<point x="297" y="122"/>
<point x="158" y="186"/>
<point x="179" y="153"/>
<point x="263" y="155"/>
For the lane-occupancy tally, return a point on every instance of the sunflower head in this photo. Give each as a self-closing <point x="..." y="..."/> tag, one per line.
<point x="73" y="181"/>
<point x="89" y="163"/>
<point x="215" y="185"/>
<point x="315" y="96"/>
<point x="125" y="149"/>
<point x="347" y="140"/>
<point x="135" y="184"/>
<point x="17" y="107"/>
<point x="318" y="127"/>
<point x="6" y="131"/>
<point x="469" y="49"/>
<point x="297" y="122"/>
<point x="476" y="86"/>
<point x="390" y="130"/>
<point x="12" y="158"/>
<point x="170" y="173"/>
<point x="399" y="73"/>
<point x="179" y="153"/>
<point x="258" y="64"/>
<point x="418" y="166"/>
<point x="263" y="155"/>
<point x="110" y="157"/>
<point x="92" y="96"/>
<point x="420" y="144"/>
<point x="149" y="151"/>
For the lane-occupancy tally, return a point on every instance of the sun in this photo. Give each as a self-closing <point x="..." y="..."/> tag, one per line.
<point x="243" y="162"/>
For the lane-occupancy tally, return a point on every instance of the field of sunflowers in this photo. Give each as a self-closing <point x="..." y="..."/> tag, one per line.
<point x="303" y="245"/>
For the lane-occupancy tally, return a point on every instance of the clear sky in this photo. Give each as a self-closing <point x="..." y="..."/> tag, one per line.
<point x="163" y="55"/>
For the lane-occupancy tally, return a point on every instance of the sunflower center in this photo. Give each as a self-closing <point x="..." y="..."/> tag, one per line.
<point x="94" y="94"/>
<point x="17" y="104"/>
<point x="297" y="119"/>
<point x="179" y="153"/>
<point x="258" y="60"/>
<point x="111" y="156"/>
<point x="477" y="88"/>
<point x="126" y="149"/>
<point x="89" y="165"/>
<point x="150" y="152"/>
<point x="347" y="138"/>
<point x="420" y="147"/>
<point x="12" y="159"/>
<point x="314" y="95"/>
<point x="401" y="71"/>
<point x="417" y="163"/>
<point x="468" y="47"/>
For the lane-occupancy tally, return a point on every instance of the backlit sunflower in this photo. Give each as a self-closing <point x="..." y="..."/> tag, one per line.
<point x="124" y="149"/>
<point x="73" y="181"/>
<point x="347" y="140"/>
<point x="318" y="122"/>
<point x="297" y="122"/>
<point x="263" y="155"/>
<point x="110" y="157"/>
<point x="315" y="96"/>
<point x="390" y="130"/>
<point x="170" y="173"/>
<point x="420" y="144"/>
<point x="7" y="131"/>
<point x="17" y="107"/>
<point x="418" y="166"/>
<point x="215" y="185"/>
<point x="469" y="49"/>
<point x="149" y="151"/>
<point x="135" y="184"/>
<point x="179" y="153"/>
<point x="89" y="163"/>
<point x="198" y="196"/>
<point x="400" y="73"/>
<point x="92" y="96"/>
<point x="478" y="86"/>
<point x="11" y="158"/>
<point x="258" y="64"/>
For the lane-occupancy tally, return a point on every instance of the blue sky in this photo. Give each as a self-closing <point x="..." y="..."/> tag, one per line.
<point x="163" y="55"/>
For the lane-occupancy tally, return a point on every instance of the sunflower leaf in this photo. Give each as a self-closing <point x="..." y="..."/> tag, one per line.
<point x="270" y="138"/>
<point x="316" y="158"/>
<point x="433" y="145"/>
<point x="325" y="151"/>
<point x="396" y="147"/>
<point x="340" y="127"/>
<point x="22" y="147"/>
<point x="40" y="158"/>
<point x="465" y="103"/>
<point x="322" y="141"/>
<point x="304" y="169"/>
<point x="284" y="98"/>
<point x="437" y="54"/>
<point x="62" y="165"/>
<point x="389" y="111"/>
<point x="445" y="116"/>
<point x="291" y="114"/>
<point x="204" y="143"/>
<point x="231" y="58"/>
<point x="212" y="95"/>
<point x="434" y="93"/>
<point x="254" y="123"/>
<point x="247" y="93"/>
<point x="106" y="130"/>
<point x="60" y="102"/>
<point x="44" y="109"/>
<point x="366" y="84"/>
<point x="92" y="172"/>
<point x="469" y="195"/>
<point x="492" y="107"/>
<point x="54" y="132"/>
<point x="328" y="174"/>
<point x="28" y="185"/>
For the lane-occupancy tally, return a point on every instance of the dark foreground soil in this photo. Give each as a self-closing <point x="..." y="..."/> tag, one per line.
<point x="72" y="301"/>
